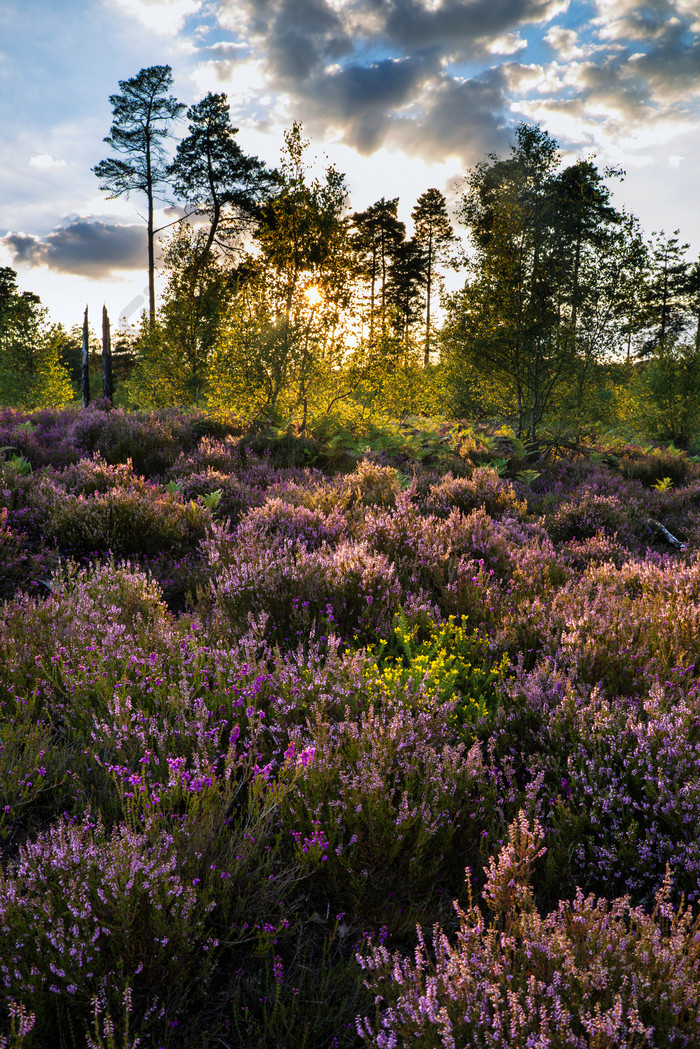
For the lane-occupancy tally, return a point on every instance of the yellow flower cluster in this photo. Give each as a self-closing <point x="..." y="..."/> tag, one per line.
<point x="447" y="662"/>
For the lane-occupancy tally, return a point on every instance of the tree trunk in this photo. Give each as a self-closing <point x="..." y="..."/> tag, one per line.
<point x="426" y="354"/>
<point x="85" y="371"/>
<point x="107" y="388"/>
<point x="151" y="236"/>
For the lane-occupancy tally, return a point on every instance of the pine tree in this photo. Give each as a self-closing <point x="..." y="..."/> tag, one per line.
<point x="214" y="177"/>
<point x="434" y="233"/>
<point x="141" y="115"/>
<point x="378" y="233"/>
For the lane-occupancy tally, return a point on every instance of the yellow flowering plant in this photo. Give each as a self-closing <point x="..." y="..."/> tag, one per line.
<point x="446" y="661"/>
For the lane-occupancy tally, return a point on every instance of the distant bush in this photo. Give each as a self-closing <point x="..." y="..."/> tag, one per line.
<point x="652" y="466"/>
<point x="346" y="590"/>
<point x="278" y="520"/>
<point x="118" y="435"/>
<point x="123" y="520"/>
<point x="483" y="489"/>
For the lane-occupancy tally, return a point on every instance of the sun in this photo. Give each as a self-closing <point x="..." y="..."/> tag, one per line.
<point x="313" y="295"/>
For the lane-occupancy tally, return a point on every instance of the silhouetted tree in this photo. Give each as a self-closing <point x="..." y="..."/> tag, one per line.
<point x="406" y="281"/>
<point x="434" y="233"/>
<point x="214" y="177"/>
<point x="378" y="232"/>
<point x="107" y="384"/>
<point x="142" y="115"/>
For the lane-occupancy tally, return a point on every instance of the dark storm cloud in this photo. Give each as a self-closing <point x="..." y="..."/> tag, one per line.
<point x="363" y="98"/>
<point x="376" y="71"/>
<point x="88" y="248"/>
<point x="411" y="23"/>
<point x="461" y="117"/>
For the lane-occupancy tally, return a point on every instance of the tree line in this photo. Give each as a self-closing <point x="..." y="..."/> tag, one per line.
<point x="282" y="305"/>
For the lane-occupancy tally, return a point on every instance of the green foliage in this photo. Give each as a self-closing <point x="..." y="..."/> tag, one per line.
<point x="447" y="660"/>
<point x="212" y="499"/>
<point x="34" y="778"/>
<point x="175" y="354"/>
<point x="652" y="465"/>
<point x="31" y="372"/>
<point x="401" y="829"/>
<point x="662" y="400"/>
<point x="21" y="465"/>
<point x="530" y="315"/>
<point x="123" y="521"/>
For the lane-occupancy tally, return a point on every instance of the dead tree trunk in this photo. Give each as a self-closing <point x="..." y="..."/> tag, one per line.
<point x="107" y="387"/>
<point x="85" y="372"/>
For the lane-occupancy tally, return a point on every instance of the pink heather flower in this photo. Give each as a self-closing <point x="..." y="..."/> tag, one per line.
<point x="305" y="757"/>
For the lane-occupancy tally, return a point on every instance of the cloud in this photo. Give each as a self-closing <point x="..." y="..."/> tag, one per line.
<point x="166" y="17"/>
<point x="460" y="118"/>
<point x="565" y="42"/>
<point x="377" y="72"/>
<point x="363" y="100"/>
<point x="88" y="248"/>
<point x="660" y="44"/>
<point x="415" y="24"/>
<point x="507" y="44"/>
<point x="45" y="162"/>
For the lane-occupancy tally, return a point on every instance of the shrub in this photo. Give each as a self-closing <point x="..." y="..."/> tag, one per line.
<point x="591" y="974"/>
<point x="588" y="514"/>
<point x="278" y="520"/>
<point x="16" y="562"/>
<point x="599" y="549"/>
<point x="118" y="435"/>
<point x="386" y="812"/>
<point x="616" y="782"/>
<point x="234" y="500"/>
<point x="91" y="476"/>
<point x="653" y="466"/>
<point x="122" y="521"/>
<point x="348" y="590"/>
<point x="446" y="661"/>
<point x="371" y="485"/>
<point x="88" y="916"/>
<point x="483" y="489"/>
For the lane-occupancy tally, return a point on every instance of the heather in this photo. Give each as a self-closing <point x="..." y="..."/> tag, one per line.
<point x="308" y="748"/>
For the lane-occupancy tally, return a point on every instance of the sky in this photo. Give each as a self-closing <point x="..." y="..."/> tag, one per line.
<point x="400" y="95"/>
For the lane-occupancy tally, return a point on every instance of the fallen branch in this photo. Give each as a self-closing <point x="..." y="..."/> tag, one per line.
<point x="666" y="534"/>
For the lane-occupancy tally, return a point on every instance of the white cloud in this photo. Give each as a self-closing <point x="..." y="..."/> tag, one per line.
<point x="44" y="162"/>
<point x="245" y="82"/>
<point x="166" y="17"/>
<point x="507" y="44"/>
<point x="565" y="42"/>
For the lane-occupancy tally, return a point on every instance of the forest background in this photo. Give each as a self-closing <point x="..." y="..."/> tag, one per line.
<point x="283" y="308"/>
